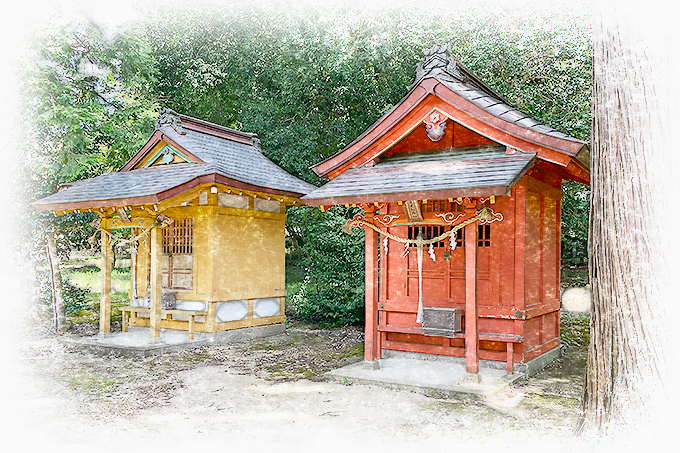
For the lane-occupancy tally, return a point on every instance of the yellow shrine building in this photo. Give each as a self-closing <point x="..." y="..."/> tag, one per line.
<point x="208" y="211"/>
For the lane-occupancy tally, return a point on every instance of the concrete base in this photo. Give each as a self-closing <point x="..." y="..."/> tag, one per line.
<point x="138" y="342"/>
<point x="474" y="378"/>
<point x="371" y="365"/>
<point x="430" y="377"/>
<point x="528" y="369"/>
<point x="534" y="366"/>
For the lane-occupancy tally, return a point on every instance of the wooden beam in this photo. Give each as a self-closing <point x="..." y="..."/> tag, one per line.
<point x="471" y="330"/>
<point x="155" y="290"/>
<point x="371" y="338"/>
<point x="105" y="296"/>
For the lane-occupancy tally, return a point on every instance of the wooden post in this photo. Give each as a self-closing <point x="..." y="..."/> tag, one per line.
<point x="471" y="332"/>
<point x="510" y="356"/>
<point x="105" y="296"/>
<point x="371" y="337"/>
<point x="58" y="308"/>
<point x="155" y="291"/>
<point x="520" y="193"/>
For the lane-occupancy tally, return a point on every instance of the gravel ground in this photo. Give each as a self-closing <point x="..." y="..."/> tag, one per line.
<point x="266" y="393"/>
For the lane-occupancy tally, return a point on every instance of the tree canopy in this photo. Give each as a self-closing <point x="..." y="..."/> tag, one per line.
<point x="307" y="80"/>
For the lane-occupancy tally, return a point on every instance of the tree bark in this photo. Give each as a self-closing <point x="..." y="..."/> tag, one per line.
<point x="632" y="246"/>
<point x="58" y="310"/>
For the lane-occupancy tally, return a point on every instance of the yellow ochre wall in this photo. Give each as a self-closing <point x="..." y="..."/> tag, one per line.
<point x="238" y="254"/>
<point x="250" y="257"/>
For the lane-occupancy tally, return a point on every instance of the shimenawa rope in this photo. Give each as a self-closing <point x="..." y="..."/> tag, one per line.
<point x="482" y="214"/>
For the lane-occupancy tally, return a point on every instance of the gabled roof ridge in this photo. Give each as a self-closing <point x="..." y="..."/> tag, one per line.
<point x="179" y="122"/>
<point x="438" y="63"/>
<point x="440" y="68"/>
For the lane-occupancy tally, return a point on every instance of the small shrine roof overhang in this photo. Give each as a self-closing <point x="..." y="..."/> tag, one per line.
<point x="215" y="154"/>
<point x="451" y="173"/>
<point x="143" y="187"/>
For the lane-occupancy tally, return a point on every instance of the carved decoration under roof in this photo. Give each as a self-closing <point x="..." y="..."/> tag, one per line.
<point x="412" y="210"/>
<point x="437" y="61"/>
<point x="435" y="126"/>
<point x="171" y="118"/>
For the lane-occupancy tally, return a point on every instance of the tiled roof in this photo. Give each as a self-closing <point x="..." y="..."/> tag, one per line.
<point x="439" y="65"/>
<point x="128" y="184"/>
<point x="239" y="161"/>
<point x="443" y="170"/>
<point x="232" y="159"/>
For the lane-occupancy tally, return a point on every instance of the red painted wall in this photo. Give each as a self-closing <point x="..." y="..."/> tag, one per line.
<point x="517" y="272"/>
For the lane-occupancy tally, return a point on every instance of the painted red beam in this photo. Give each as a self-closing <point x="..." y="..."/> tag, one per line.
<point x="371" y="333"/>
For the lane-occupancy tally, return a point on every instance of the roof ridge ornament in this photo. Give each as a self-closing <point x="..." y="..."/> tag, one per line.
<point x="255" y="141"/>
<point x="437" y="62"/>
<point x="171" y="118"/>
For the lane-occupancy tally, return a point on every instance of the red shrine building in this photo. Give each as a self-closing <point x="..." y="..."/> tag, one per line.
<point x="448" y="149"/>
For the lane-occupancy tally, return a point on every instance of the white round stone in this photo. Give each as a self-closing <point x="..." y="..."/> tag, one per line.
<point x="576" y="300"/>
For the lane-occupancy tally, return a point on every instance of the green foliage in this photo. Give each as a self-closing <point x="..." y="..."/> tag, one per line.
<point x="575" y="214"/>
<point x="575" y="329"/>
<point x="308" y="81"/>
<point x="75" y="298"/>
<point x="88" y="106"/>
<point x="332" y="292"/>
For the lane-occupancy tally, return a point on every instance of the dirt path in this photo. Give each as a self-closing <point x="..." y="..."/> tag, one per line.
<point x="267" y="393"/>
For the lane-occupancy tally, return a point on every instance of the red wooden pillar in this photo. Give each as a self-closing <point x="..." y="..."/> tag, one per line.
<point x="371" y="337"/>
<point x="471" y="332"/>
<point x="520" y="193"/>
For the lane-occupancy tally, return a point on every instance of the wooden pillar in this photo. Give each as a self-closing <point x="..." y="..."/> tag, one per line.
<point x="471" y="332"/>
<point x="371" y="337"/>
<point x="520" y="193"/>
<point x="155" y="290"/>
<point x="105" y="295"/>
<point x="382" y="293"/>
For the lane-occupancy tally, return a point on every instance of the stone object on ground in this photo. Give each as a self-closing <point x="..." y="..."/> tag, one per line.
<point x="576" y="300"/>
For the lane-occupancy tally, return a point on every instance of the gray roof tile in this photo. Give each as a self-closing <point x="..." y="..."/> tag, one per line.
<point x="229" y="158"/>
<point x="446" y="170"/>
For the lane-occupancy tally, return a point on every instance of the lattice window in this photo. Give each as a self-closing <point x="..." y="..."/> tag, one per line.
<point x="178" y="239"/>
<point x="432" y="231"/>
<point x="429" y="232"/>
<point x="483" y="236"/>
<point x="435" y="206"/>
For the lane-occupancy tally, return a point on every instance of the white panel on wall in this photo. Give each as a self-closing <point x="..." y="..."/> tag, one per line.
<point x="142" y="302"/>
<point x="235" y="310"/>
<point x="267" y="205"/>
<point x="195" y="305"/>
<point x="203" y="198"/>
<point x="232" y="201"/>
<point x="269" y="306"/>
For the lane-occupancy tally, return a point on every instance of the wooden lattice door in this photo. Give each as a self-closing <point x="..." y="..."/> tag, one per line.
<point x="178" y="256"/>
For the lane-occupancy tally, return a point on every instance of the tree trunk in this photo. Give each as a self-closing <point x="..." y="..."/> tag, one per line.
<point x="632" y="249"/>
<point x="57" y="292"/>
